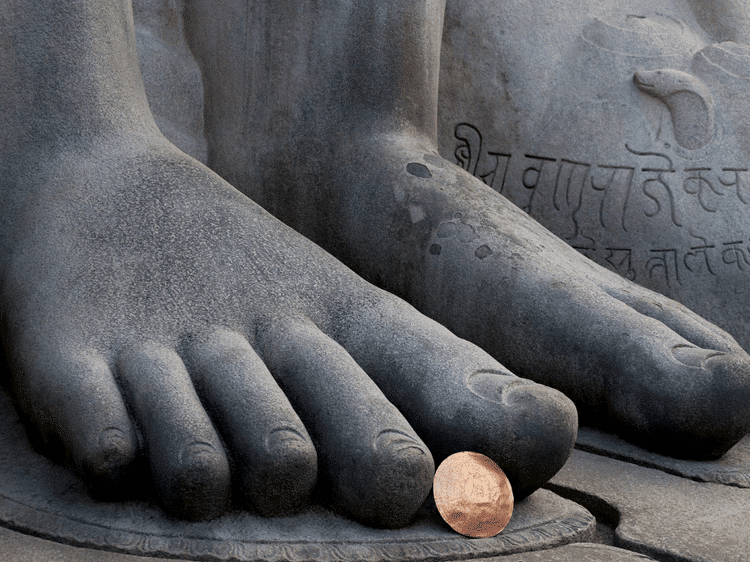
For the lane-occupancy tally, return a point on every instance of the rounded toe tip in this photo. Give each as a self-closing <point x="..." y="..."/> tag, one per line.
<point x="284" y="485"/>
<point x="389" y="493"/>
<point x="544" y="428"/>
<point x="199" y="490"/>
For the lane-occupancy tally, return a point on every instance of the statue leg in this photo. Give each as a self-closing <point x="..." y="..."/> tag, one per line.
<point x="149" y="308"/>
<point x="325" y="114"/>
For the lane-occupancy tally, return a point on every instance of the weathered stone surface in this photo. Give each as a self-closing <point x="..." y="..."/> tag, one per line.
<point x="620" y="126"/>
<point x="41" y="498"/>
<point x="18" y="547"/>
<point x="431" y="233"/>
<point x="661" y="515"/>
<point x="733" y="469"/>
<point x="574" y="553"/>
<point x="153" y="315"/>
<point x="172" y="79"/>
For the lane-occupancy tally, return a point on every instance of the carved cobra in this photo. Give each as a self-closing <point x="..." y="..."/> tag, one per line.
<point x="688" y="100"/>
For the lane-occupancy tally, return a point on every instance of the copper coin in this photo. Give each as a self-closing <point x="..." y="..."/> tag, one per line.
<point x="473" y="495"/>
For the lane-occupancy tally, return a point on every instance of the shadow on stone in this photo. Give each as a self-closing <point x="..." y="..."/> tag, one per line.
<point x="733" y="469"/>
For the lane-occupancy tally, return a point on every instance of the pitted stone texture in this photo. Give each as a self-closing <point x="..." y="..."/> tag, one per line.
<point x="620" y="126"/>
<point x="39" y="497"/>
<point x="733" y="469"/>
<point x="660" y="515"/>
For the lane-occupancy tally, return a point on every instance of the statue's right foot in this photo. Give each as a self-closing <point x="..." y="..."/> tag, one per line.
<point x="150" y="308"/>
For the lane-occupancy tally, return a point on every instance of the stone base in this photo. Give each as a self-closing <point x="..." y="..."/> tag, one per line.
<point x="581" y="552"/>
<point x="733" y="469"/>
<point x="664" y="516"/>
<point x="24" y="548"/>
<point x="40" y="498"/>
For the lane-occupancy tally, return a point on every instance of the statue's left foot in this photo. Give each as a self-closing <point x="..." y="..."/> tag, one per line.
<point x="631" y="360"/>
<point x="343" y="149"/>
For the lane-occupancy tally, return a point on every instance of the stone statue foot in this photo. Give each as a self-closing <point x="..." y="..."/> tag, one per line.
<point x="632" y="360"/>
<point x="149" y="308"/>
<point x="627" y="136"/>
<point x="170" y="314"/>
<point x="362" y="177"/>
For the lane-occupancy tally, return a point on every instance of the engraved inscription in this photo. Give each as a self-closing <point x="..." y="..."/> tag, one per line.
<point x="467" y="152"/>
<point x="610" y="187"/>
<point x="697" y="183"/>
<point x="735" y="180"/>
<point x="664" y="263"/>
<point x="698" y="256"/>
<point x="734" y="253"/>
<point x="625" y="197"/>
<point x="621" y="260"/>
<point x="655" y="184"/>
<point x="468" y="155"/>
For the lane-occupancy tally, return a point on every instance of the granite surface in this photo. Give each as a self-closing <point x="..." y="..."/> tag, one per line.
<point x="45" y="499"/>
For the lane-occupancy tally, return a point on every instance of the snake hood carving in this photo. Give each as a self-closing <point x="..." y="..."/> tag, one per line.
<point x="688" y="100"/>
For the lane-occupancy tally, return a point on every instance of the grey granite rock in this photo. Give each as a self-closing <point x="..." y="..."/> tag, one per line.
<point x="154" y="318"/>
<point x="620" y="126"/>
<point x="574" y="553"/>
<point x="661" y="515"/>
<point x="44" y="499"/>
<point x="325" y="114"/>
<point x="19" y="547"/>
<point x="732" y="469"/>
<point x="172" y="79"/>
<point x="24" y="548"/>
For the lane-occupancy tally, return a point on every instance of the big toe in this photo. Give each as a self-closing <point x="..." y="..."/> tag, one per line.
<point x="540" y="425"/>
<point x="709" y="414"/>
<point x="458" y="398"/>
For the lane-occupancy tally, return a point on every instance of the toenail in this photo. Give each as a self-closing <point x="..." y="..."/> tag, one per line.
<point x="115" y="450"/>
<point x="396" y="442"/>
<point x="419" y="170"/>
<point x="114" y="441"/>
<point x="199" y="453"/>
<point x="693" y="356"/>
<point x="282" y="437"/>
<point x="495" y="386"/>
